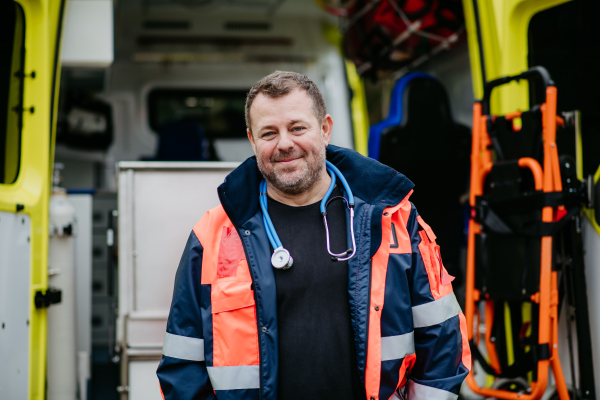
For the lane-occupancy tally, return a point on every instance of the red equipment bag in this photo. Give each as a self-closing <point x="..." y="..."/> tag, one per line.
<point x="382" y="36"/>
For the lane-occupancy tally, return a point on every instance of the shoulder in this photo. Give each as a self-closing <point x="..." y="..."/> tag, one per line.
<point x="213" y="218"/>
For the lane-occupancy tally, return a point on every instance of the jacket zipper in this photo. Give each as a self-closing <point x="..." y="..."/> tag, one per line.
<point x="368" y="321"/>
<point x="370" y="271"/>
<point x="258" y="330"/>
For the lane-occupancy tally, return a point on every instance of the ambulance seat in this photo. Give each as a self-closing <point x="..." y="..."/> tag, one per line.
<point x="421" y="140"/>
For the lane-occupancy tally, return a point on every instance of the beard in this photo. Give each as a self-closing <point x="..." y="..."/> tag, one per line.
<point x="293" y="181"/>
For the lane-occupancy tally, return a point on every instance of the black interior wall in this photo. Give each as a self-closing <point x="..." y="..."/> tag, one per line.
<point x="565" y="40"/>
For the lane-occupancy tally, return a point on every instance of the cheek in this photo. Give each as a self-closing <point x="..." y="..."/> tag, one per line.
<point x="311" y="145"/>
<point x="264" y="150"/>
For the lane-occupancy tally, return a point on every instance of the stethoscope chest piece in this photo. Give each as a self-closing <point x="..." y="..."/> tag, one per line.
<point x="281" y="258"/>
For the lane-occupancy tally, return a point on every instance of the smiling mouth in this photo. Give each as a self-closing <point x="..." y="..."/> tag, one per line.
<point x="289" y="160"/>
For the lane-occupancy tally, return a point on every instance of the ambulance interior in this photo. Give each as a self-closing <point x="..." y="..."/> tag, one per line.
<point x="165" y="81"/>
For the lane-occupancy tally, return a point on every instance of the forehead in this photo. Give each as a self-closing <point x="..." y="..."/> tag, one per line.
<point x="294" y="105"/>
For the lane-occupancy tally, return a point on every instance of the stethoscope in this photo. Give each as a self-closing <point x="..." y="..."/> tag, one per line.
<point x="281" y="258"/>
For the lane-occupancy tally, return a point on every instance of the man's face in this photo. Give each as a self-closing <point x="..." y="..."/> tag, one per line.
<point x="289" y="141"/>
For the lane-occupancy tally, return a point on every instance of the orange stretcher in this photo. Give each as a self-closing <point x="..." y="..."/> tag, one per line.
<point x="518" y="174"/>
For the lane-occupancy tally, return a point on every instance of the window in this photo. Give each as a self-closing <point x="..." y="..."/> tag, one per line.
<point x="12" y="62"/>
<point x="219" y="112"/>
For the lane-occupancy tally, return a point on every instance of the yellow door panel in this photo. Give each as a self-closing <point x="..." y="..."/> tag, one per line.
<point x="29" y="193"/>
<point x="504" y="25"/>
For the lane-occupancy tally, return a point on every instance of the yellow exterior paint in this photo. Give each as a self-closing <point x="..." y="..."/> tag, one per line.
<point x="358" y="107"/>
<point x="504" y="26"/>
<point x="55" y="20"/>
<point x="510" y="354"/>
<point x="358" y="102"/>
<point x="31" y="189"/>
<point x="579" y="153"/>
<point x="590" y="212"/>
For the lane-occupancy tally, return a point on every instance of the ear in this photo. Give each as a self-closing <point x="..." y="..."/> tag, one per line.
<point x="251" y="138"/>
<point x="326" y="128"/>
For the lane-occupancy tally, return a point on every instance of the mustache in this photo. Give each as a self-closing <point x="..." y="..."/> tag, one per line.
<point x="285" y="155"/>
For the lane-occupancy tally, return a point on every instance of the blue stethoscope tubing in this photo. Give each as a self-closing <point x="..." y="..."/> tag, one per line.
<point x="333" y="171"/>
<point x="281" y="258"/>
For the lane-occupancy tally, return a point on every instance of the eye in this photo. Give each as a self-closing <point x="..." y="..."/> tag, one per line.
<point x="298" y="128"/>
<point x="267" y="134"/>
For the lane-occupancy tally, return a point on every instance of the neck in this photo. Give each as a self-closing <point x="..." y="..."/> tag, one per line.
<point x="310" y="196"/>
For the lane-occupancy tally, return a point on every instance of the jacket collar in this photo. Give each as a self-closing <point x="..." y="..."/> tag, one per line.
<point x="370" y="181"/>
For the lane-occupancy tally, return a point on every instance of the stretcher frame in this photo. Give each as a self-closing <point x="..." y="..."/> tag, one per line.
<point x="547" y="179"/>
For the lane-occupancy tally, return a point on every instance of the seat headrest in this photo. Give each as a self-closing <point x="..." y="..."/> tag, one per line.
<point x="398" y="110"/>
<point x="426" y="102"/>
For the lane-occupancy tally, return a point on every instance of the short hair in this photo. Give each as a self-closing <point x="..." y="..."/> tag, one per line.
<point x="280" y="83"/>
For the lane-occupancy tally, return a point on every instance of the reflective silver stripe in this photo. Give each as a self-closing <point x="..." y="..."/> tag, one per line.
<point x="416" y="391"/>
<point x="395" y="347"/>
<point x="237" y="377"/>
<point x="435" y="312"/>
<point x="183" y="347"/>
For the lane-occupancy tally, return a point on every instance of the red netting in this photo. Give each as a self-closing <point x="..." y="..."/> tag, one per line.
<point x="382" y="36"/>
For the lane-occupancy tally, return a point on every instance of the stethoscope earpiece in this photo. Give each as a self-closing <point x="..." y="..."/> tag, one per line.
<point x="281" y="258"/>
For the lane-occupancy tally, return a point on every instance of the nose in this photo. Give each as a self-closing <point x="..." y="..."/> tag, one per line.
<point x="285" y="142"/>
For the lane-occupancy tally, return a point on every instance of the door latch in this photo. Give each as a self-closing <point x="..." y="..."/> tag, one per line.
<point x="45" y="300"/>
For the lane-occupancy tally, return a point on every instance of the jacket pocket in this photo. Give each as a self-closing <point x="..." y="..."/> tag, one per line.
<point x="439" y="279"/>
<point x="233" y="302"/>
<point x="235" y="333"/>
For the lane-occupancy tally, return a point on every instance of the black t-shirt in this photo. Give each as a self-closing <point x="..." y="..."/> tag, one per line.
<point x="316" y="350"/>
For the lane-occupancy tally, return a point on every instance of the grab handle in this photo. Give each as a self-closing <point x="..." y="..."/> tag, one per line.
<point x="530" y="74"/>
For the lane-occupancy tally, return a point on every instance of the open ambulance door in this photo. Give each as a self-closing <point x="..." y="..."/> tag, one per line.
<point x="506" y="38"/>
<point x="29" y="69"/>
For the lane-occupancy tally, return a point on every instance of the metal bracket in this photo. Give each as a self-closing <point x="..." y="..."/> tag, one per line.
<point x="22" y="74"/>
<point x="21" y="110"/>
<point x="45" y="300"/>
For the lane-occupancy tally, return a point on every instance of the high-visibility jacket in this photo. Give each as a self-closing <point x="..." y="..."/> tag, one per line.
<point x="409" y="332"/>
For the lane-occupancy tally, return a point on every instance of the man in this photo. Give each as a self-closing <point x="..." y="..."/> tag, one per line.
<point x="383" y="324"/>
